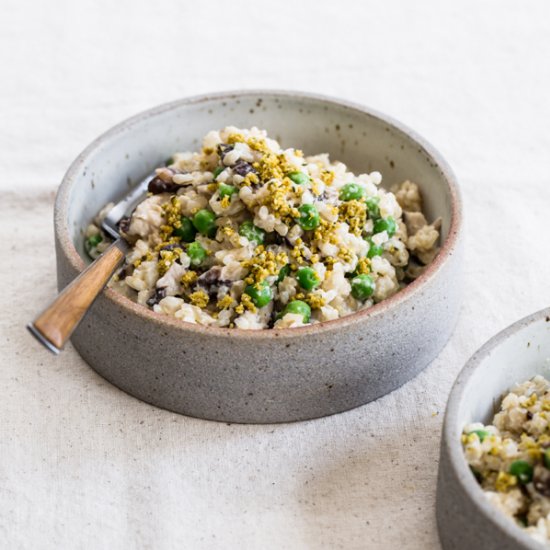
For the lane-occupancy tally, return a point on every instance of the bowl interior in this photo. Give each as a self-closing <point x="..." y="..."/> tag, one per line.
<point x="517" y="354"/>
<point x="363" y="140"/>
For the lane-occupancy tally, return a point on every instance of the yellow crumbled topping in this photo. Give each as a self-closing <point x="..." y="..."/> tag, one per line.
<point x="225" y="303"/>
<point x="225" y="202"/>
<point x="165" y="232"/>
<point x="299" y="191"/>
<point x="172" y="212"/>
<point x="315" y="301"/>
<point x="530" y="401"/>
<point x="269" y="167"/>
<point x="149" y="257"/>
<point x="325" y="233"/>
<point x="258" y="144"/>
<point x="235" y="138"/>
<point x="354" y="213"/>
<point x="363" y="266"/>
<point x="199" y="298"/>
<point x="189" y="277"/>
<point x="494" y="451"/>
<point x="315" y="188"/>
<point x="277" y="198"/>
<point x="297" y="254"/>
<point x="327" y="176"/>
<point x="163" y="244"/>
<point x="345" y="254"/>
<point x="532" y="447"/>
<point x="251" y="179"/>
<point x="505" y="481"/>
<point x="247" y="302"/>
<point x="263" y="264"/>
<point x="167" y="258"/>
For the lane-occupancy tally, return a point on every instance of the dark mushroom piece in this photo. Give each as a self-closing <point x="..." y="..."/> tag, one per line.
<point x="243" y="168"/>
<point x="210" y="277"/>
<point x="124" y="224"/>
<point x="157" y="185"/>
<point x="223" y="149"/>
<point x="159" y="294"/>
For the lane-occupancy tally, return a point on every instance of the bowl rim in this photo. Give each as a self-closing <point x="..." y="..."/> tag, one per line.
<point x="452" y="430"/>
<point x="404" y="295"/>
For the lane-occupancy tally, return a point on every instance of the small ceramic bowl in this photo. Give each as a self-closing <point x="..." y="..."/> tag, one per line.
<point x="466" y="520"/>
<point x="267" y="375"/>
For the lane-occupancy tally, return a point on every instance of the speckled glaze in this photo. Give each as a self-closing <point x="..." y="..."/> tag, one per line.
<point x="465" y="519"/>
<point x="269" y="375"/>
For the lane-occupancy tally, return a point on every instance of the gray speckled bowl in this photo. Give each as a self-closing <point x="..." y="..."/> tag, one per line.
<point x="269" y="375"/>
<point x="465" y="519"/>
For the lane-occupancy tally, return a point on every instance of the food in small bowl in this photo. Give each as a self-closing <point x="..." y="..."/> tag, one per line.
<point x="510" y="457"/>
<point x="247" y="234"/>
<point x="493" y="489"/>
<point x="283" y="373"/>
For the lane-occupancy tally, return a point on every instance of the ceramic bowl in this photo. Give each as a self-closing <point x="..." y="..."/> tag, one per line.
<point x="268" y="375"/>
<point x="466" y="520"/>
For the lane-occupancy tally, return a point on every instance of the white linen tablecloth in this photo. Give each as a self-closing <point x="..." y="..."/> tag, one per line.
<point x="83" y="465"/>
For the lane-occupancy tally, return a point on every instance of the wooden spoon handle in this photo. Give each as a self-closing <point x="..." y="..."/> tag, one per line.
<point x="54" y="326"/>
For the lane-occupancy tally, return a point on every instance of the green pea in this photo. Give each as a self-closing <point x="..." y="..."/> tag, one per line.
<point x="372" y="207"/>
<point x="196" y="252"/>
<point x="253" y="233"/>
<point x="299" y="307"/>
<point x="93" y="241"/>
<point x="309" y="217"/>
<point x="351" y="191"/>
<point x="374" y="249"/>
<point x="388" y="225"/>
<point x="546" y="458"/>
<point x="481" y="434"/>
<point x="169" y="161"/>
<point x="299" y="178"/>
<point x="260" y="296"/>
<point x="186" y="232"/>
<point x="308" y="278"/>
<point x="522" y="470"/>
<point x="205" y="222"/>
<point x="284" y="271"/>
<point x="226" y="190"/>
<point x="362" y="287"/>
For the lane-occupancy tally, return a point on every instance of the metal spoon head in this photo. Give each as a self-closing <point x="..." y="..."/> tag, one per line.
<point x="125" y="207"/>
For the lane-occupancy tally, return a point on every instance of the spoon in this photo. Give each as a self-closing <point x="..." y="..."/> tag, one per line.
<point x="54" y="326"/>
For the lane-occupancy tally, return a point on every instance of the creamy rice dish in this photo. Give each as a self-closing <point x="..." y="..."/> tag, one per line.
<point x="511" y="457"/>
<point x="247" y="234"/>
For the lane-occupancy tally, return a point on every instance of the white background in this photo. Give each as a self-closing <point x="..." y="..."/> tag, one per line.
<point x="84" y="465"/>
